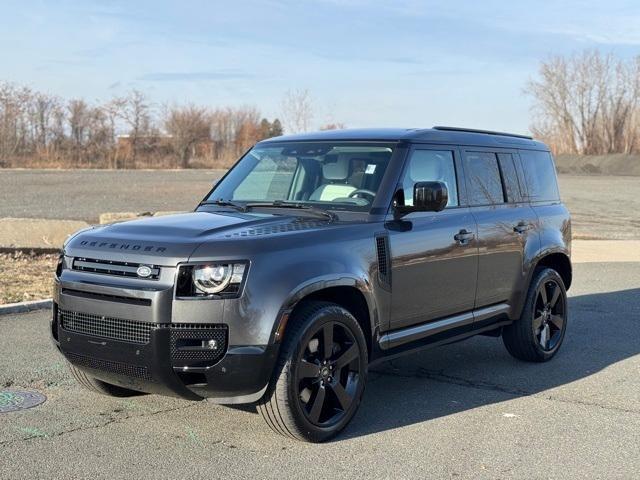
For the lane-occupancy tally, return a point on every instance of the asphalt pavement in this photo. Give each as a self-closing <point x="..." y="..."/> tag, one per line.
<point x="466" y="410"/>
<point x="85" y="194"/>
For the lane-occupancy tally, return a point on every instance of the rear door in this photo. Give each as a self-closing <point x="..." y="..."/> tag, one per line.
<point x="506" y="224"/>
<point x="433" y="254"/>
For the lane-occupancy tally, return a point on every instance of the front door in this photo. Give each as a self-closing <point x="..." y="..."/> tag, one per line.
<point x="434" y="262"/>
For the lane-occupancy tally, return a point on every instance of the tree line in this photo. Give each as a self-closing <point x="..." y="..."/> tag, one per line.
<point x="588" y="103"/>
<point x="42" y="130"/>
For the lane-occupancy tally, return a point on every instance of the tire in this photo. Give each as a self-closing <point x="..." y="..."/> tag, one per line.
<point x="538" y="334"/>
<point x="98" y="386"/>
<point x="320" y="376"/>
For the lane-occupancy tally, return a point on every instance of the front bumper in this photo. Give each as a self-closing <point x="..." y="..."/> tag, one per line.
<point x="157" y="357"/>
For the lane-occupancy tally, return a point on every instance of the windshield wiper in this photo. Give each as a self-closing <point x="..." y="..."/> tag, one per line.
<point x="226" y="203"/>
<point x="300" y="206"/>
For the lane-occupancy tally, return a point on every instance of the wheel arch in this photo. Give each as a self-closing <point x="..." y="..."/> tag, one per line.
<point x="558" y="261"/>
<point x="350" y="293"/>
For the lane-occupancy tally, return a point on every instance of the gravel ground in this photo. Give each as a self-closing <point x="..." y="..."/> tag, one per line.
<point x="467" y="410"/>
<point x="602" y="206"/>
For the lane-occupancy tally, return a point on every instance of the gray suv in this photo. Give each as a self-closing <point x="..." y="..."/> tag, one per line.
<point x="315" y="257"/>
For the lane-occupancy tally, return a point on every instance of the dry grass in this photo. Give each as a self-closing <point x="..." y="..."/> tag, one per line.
<point x="26" y="276"/>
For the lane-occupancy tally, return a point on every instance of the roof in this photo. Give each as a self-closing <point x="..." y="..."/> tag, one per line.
<point x="444" y="135"/>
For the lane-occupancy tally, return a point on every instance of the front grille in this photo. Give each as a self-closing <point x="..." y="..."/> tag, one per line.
<point x="186" y="343"/>
<point x="112" y="267"/>
<point x="125" y="369"/>
<point x="105" y="327"/>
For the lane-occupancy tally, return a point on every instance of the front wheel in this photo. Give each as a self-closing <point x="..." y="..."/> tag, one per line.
<point x="319" y="380"/>
<point x="537" y="335"/>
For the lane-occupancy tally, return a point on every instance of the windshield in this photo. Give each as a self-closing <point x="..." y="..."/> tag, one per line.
<point x="325" y="175"/>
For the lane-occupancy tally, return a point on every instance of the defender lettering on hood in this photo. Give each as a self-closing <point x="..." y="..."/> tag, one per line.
<point x="123" y="246"/>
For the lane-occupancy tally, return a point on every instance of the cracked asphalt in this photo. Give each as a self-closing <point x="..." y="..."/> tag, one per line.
<point x="466" y="410"/>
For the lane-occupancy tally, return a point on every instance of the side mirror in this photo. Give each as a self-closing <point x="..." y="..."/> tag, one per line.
<point x="427" y="197"/>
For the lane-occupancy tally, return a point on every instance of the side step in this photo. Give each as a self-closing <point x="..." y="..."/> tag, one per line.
<point x="406" y="335"/>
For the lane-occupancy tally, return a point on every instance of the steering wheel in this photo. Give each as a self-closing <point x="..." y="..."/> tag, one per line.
<point x="362" y="191"/>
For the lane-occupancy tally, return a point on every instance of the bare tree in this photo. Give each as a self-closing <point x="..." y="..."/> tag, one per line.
<point x="136" y="112"/>
<point x="297" y="111"/>
<point x="586" y="103"/>
<point x="38" y="129"/>
<point x="186" y="127"/>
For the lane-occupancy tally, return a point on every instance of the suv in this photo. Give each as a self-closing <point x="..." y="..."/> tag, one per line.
<point x="314" y="257"/>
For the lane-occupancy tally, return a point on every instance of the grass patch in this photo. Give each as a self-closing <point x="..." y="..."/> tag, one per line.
<point x="26" y="276"/>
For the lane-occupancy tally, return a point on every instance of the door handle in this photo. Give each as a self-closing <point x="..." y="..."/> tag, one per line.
<point x="522" y="227"/>
<point x="463" y="237"/>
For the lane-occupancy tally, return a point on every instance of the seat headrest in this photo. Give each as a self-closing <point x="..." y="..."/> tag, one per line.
<point x="338" y="170"/>
<point x="427" y="168"/>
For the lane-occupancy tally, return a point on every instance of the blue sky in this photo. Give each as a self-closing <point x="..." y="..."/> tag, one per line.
<point x="366" y="63"/>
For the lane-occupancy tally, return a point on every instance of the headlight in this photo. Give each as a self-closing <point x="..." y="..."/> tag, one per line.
<point x="217" y="279"/>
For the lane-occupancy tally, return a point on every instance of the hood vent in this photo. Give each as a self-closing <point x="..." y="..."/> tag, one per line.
<point x="280" y="228"/>
<point x="384" y="261"/>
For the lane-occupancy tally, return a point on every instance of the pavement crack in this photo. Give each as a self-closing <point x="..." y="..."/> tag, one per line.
<point x="110" y="421"/>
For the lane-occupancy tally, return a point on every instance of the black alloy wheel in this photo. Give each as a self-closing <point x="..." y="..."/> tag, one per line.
<point x="549" y="315"/>
<point x="327" y="373"/>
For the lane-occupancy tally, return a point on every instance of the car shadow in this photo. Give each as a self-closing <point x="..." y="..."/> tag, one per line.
<point x="603" y="329"/>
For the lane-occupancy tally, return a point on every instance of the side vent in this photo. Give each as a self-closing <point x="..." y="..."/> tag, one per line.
<point x="384" y="261"/>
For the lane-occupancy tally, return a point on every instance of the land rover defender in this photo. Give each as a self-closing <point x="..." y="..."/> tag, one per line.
<point x="314" y="257"/>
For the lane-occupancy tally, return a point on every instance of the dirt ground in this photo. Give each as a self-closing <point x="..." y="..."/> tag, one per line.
<point x="25" y="276"/>
<point x="602" y="207"/>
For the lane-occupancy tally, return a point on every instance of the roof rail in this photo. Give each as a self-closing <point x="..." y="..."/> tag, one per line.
<point x="487" y="132"/>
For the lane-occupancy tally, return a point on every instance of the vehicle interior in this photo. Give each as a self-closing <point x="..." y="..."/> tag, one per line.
<point x="334" y="176"/>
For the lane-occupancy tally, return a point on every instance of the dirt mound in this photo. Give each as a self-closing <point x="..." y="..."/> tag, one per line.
<point x="615" y="164"/>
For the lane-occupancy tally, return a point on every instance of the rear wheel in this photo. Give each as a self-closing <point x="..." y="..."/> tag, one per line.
<point x="319" y="380"/>
<point x="538" y="334"/>
<point x="98" y="386"/>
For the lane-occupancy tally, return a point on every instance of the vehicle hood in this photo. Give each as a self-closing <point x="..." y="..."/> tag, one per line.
<point x="168" y="240"/>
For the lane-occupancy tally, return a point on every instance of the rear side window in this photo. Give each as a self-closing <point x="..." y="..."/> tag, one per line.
<point x="540" y="175"/>
<point x="483" y="178"/>
<point x="509" y="177"/>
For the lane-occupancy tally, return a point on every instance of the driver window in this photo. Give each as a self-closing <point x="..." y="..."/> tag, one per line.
<point x="431" y="166"/>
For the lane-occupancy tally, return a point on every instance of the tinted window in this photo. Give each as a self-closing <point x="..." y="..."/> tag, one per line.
<point x="540" y="175"/>
<point x="509" y="177"/>
<point x="483" y="178"/>
<point x="431" y="166"/>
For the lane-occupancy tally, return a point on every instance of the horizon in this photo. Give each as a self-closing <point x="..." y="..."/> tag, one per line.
<point x="366" y="64"/>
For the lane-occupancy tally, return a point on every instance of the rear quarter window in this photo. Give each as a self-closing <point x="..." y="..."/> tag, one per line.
<point x="540" y="176"/>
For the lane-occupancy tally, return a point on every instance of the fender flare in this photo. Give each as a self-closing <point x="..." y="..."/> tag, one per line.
<point x="532" y="265"/>
<point x="324" y="282"/>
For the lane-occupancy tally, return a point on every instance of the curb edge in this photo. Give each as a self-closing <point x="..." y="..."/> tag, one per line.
<point x="23" y="307"/>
